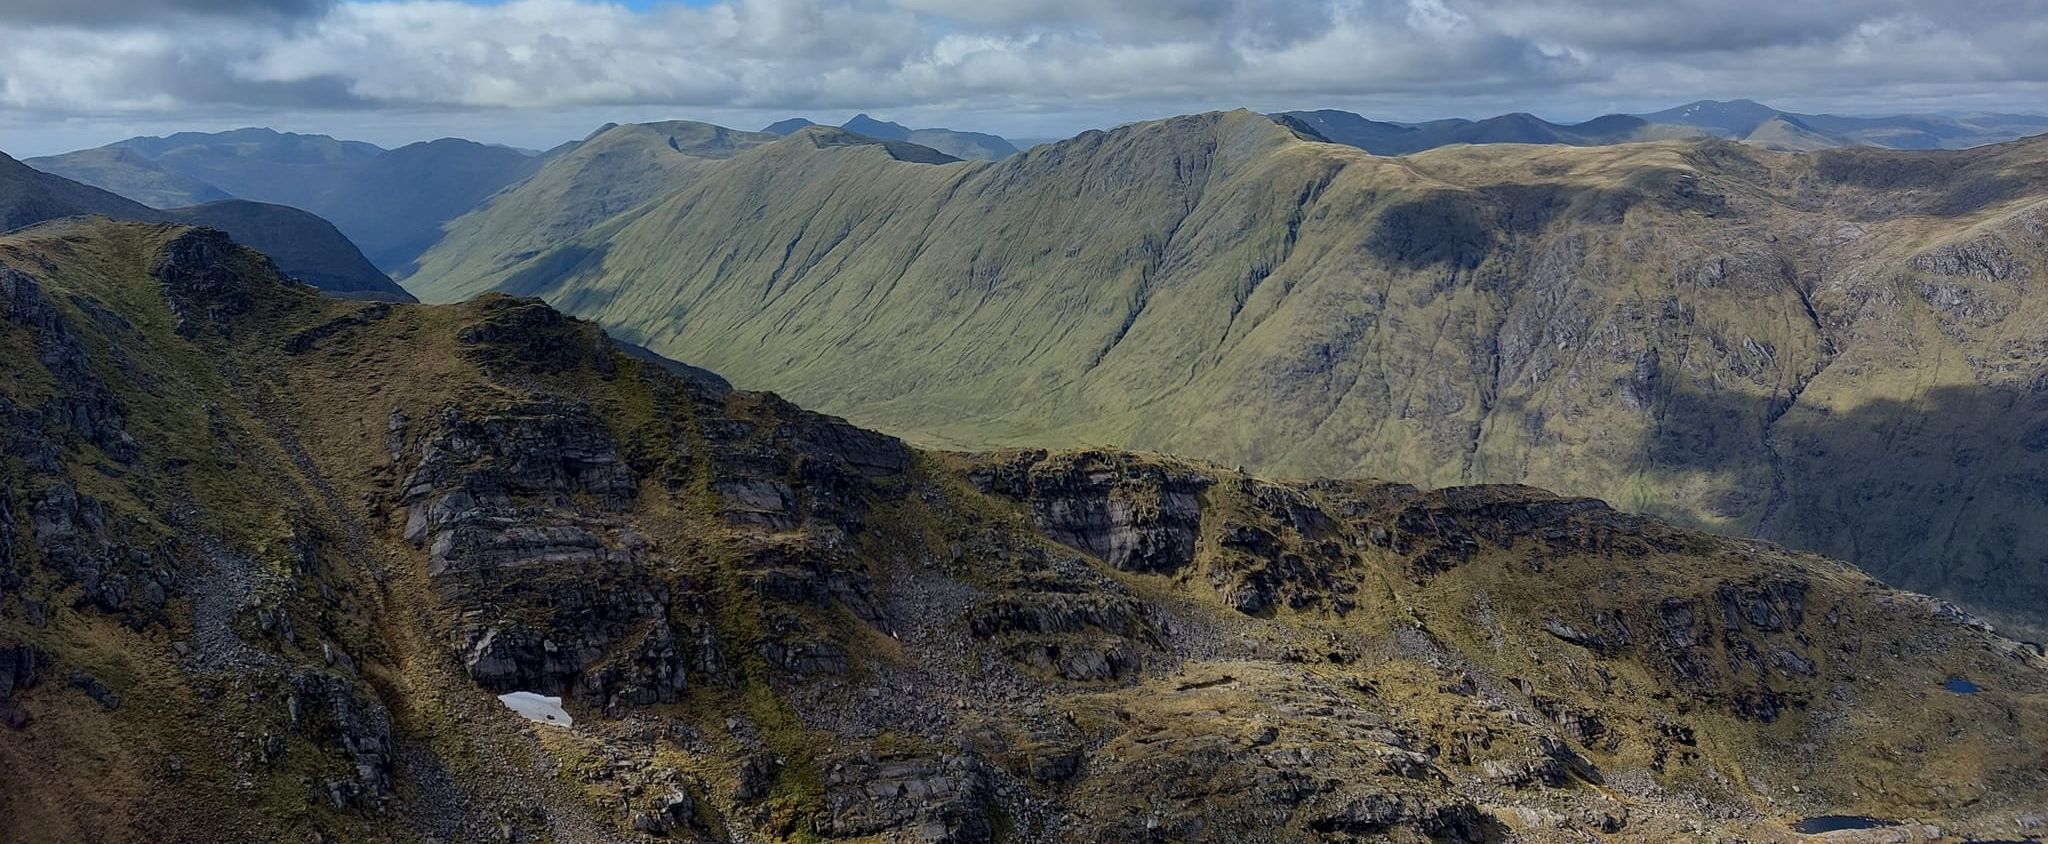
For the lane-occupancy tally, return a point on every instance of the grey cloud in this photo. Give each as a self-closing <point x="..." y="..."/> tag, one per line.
<point x="1418" y="58"/>
<point x="132" y="13"/>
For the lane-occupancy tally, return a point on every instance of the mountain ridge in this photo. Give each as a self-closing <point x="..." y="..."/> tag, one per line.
<point x="1744" y="120"/>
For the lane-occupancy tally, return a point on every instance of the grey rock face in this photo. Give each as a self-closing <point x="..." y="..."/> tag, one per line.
<point x="1983" y="258"/>
<point x="83" y="406"/>
<point x="20" y="667"/>
<point x="1136" y="517"/>
<point x="329" y="711"/>
<point x="939" y="800"/>
<point x="200" y="281"/>
<point x="514" y="508"/>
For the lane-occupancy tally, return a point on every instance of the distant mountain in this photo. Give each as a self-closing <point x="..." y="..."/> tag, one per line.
<point x="1694" y="328"/>
<point x="1383" y="138"/>
<point x="617" y="168"/>
<point x="131" y="174"/>
<point x="303" y="245"/>
<point x="1744" y="120"/>
<point x="880" y="130"/>
<point x="1756" y="123"/>
<point x="1729" y="119"/>
<point x="967" y="146"/>
<point x="391" y="203"/>
<point x="395" y="205"/>
<point x="785" y="128"/>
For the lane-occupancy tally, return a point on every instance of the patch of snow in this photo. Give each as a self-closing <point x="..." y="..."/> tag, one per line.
<point x="537" y="708"/>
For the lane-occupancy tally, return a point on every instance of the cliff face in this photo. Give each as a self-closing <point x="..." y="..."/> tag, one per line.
<point x="266" y="558"/>
<point x="1838" y="350"/>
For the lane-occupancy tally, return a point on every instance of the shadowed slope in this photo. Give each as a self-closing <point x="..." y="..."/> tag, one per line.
<point x="390" y="203"/>
<point x="303" y="245"/>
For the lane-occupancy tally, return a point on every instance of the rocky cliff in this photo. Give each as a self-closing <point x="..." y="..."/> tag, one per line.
<point x="266" y="558"/>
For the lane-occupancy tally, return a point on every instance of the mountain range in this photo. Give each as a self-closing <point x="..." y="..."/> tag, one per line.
<point x="1743" y="120"/>
<point x="1837" y="350"/>
<point x="283" y="567"/>
<point x="390" y="203"/>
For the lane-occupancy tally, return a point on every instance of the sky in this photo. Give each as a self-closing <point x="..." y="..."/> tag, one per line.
<point x="533" y="73"/>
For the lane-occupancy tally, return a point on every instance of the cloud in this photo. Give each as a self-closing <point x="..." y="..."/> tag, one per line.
<point x="131" y="13"/>
<point x="1005" y="57"/>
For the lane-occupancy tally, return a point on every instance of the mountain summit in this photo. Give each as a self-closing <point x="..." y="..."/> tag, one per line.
<point x="968" y="146"/>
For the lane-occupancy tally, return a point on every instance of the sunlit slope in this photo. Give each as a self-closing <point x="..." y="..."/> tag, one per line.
<point x="616" y="169"/>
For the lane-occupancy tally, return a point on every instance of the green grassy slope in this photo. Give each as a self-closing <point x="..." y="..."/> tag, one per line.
<point x="1834" y="350"/>
<point x="616" y="169"/>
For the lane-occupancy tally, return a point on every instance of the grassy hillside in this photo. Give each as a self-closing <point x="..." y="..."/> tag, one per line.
<point x="616" y="169"/>
<point x="1838" y="350"/>
<point x="266" y="558"/>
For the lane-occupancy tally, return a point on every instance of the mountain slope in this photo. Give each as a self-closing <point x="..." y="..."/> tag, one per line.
<point x="303" y="245"/>
<point x="29" y="196"/>
<point x="390" y="203"/>
<point x="131" y="174"/>
<point x="617" y="168"/>
<point x="261" y="576"/>
<point x="1833" y="350"/>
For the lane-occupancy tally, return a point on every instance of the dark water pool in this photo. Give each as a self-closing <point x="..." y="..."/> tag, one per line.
<point x="1960" y="686"/>
<point x="1837" y="823"/>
